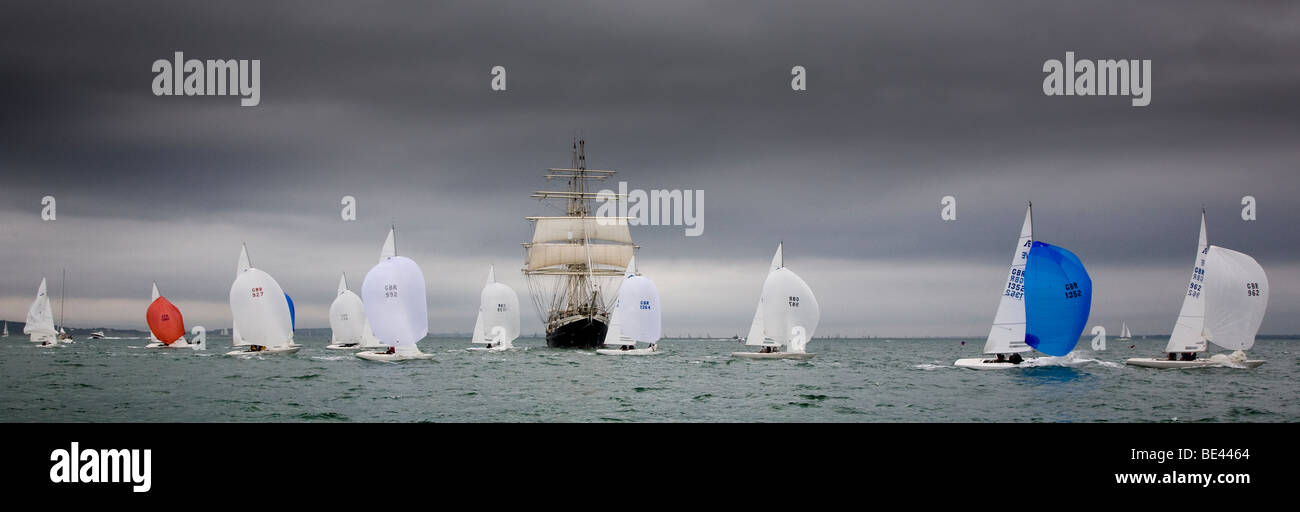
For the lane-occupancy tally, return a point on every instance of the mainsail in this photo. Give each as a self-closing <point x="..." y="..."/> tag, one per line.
<point x="1188" y="335"/>
<point x="1058" y="297"/>
<point x="755" y="336"/>
<point x="572" y="259"/>
<point x="40" y="317"/>
<point x="1236" y="296"/>
<point x="1007" y="335"/>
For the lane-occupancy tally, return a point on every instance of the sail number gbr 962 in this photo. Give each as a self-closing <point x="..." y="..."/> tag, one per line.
<point x="1072" y="291"/>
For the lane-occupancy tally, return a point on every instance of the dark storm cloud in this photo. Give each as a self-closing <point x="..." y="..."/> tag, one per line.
<point x="907" y="102"/>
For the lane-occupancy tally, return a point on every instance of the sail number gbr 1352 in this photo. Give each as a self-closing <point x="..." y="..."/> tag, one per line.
<point x="1015" y="284"/>
<point x="1072" y="291"/>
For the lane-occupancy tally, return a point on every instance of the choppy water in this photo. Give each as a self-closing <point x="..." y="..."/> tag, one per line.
<point x="693" y="381"/>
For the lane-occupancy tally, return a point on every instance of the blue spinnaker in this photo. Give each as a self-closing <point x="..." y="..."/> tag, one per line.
<point x="1058" y="296"/>
<point x="293" y="321"/>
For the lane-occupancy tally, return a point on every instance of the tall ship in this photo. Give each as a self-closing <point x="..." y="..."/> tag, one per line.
<point x="575" y="258"/>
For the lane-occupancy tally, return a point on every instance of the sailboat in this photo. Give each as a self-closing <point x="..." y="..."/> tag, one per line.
<point x="393" y="294"/>
<point x="497" y="325"/>
<point x="1124" y="333"/>
<point x="64" y="337"/>
<point x="786" y="316"/>
<point x="1044" y="306"/>
<point x="1224" y="304"/>
<point x="40" y="319"/>
<point x="225" y="332"/>
<point x="636" y="317"/>
<point x="260" y="312"/>
<point x="166" y="325"/>
<point x="571" y="259"/>
<point x="5" y="334"/>
<point x="348" y="325"/>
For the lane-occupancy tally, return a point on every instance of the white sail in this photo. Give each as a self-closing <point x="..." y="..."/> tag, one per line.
<point x="40" y="317"/>
<point x="1007" y="334"/>
<point x="390" y="246"/>
<point x="243" y="261"/>
<point x="1123" y="331"/>
<point x="755" y="336"/>
<point x="637" y="310"/>
<point x="394" y="297"/>
<point x="368" y="338"/>
<point x="790" y="310"/>
<point x="1236" y="296"/>
<point x="260" y="310"/>
<point x="569" y="229"/>
<point x="545" y="255"/>
<point x="347" y="316"/>
<point x="1188" y="329"/>
<point x="6" y="329"/>
<point x="498" y="313"/>
<point x="154" y="296"/>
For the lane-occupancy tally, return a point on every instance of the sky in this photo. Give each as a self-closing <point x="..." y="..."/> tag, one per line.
<point x="906" y="102"/>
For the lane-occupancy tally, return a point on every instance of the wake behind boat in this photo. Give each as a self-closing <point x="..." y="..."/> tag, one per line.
<point x="1044" y="305"/>
<point x="393" y="294"/>
<point x="261" y="313"/>
<point x="1224" y="304"/>
<point x="635" y="318"/>
<point x="786" y="316"/>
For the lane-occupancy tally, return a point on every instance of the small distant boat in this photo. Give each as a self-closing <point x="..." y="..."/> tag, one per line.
<point x="225" y="332"/>
<point x="1224" y="304"/>
<point x="393" y="294"/>
<point x="786" y="316"/>
<point x="497" y="325"/>
<point x="1124" y="334"/>
<point x="1044" y="306"/>
<point x="98" y="335"/>
<point x="64" y="337"/>
<point x="40" y="319"/>
<point x="5" y="334"/>
<point x="635" y="318"/>
<point x="348" y="327"/>
<point x="261" y="313"/>
<point x="166" y="325"/>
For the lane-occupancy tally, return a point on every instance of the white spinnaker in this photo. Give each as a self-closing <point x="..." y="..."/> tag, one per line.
<point x="40" y="316"/>
<point x="637" y="310"/>
<point x="500" y="309"/>
<point x="756" y="335"/>
<point x="789" y="308"/>
<point x="347" y="317"/>
<point x="1236" y="296"/>
<point x="1007" y="334"/>
<point x="390" y="246"/>
<point x="260" y="310"/>
<point x="394" y="297"/>
<point x="1188" y="334"/>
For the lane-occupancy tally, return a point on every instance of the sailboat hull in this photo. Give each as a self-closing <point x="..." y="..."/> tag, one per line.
<point x="631" y="352"/>
<point x="984" y="363"/>
<point x="1156" y="362"/>
<point x="587" y="333"/>
<point x="773" y="355"/>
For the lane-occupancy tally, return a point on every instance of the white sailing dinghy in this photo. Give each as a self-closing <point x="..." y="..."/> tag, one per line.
<point x="393" y="294"/>
<point x="786" y="316"/>
<point x="497" y="325"/>
<point x="1124" y="334"/>
<point x="5" y="334"/>
<point x="1224" y="305"/>
<point x="348" y="327"/>
<point x="260" y="312"/>
<point x="1044" y="305"/>
<point x="166" y="326"/>
<point x="636" y="317"/>
<point x="40" y="320"/>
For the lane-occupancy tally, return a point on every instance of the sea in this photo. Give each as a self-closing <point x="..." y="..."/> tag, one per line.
<point x="692" y="380"/>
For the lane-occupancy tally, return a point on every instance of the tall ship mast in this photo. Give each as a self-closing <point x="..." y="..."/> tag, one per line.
<point x="574" y="259"/>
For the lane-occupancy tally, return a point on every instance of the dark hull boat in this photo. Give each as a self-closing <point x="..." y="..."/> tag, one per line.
<point x="586" y="333"/>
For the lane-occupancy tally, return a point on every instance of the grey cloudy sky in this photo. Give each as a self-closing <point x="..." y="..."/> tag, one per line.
<point x="390" y="102"/>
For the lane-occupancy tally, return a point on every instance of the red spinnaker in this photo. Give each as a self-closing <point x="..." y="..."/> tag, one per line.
<point x="165" y="320"/>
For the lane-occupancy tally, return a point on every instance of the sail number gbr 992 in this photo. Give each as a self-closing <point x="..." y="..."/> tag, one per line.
<point x="390" y="291"/>
<point x="1072" y="291"/>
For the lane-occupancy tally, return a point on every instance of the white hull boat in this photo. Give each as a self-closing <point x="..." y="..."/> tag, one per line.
<point x="773" y="355"/>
